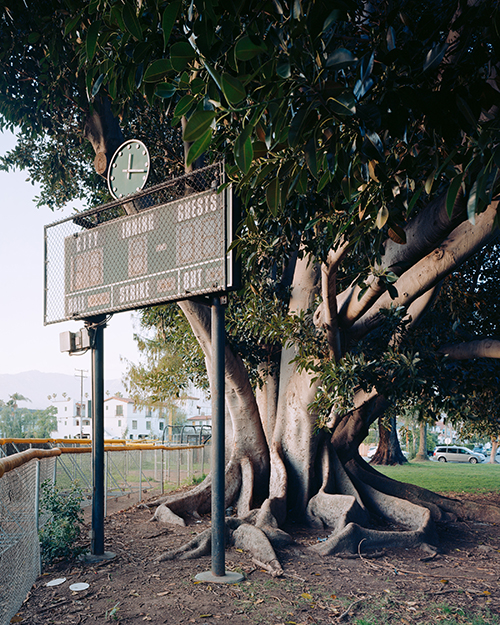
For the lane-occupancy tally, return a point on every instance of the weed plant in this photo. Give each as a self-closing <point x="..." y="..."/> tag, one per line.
<point x="59" y="535"/>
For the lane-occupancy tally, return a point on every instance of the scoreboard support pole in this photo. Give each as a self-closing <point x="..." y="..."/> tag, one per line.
<point x="218" y="573"/>
<point x="95" y="326"/>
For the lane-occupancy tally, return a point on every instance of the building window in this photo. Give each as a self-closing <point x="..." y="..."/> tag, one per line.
<point x="134" y="425"/>
<point x="65" y="423"/>
<point x="148" y="425"/>
<point x="107" y="407"/>
<point x="162" y="425"/>
<point x="65" y="408"/>
<point x="119" y="423"/>
<point x="86" y="422"/>
<point x="131" y="437"/>
<point x="119" y="411"/>
<point x="77" y="422"/>
<point x="148" y="412"/>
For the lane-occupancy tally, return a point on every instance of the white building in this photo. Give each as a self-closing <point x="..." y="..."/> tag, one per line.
<point x="124" y="419"/>
<point x="73" y="421"/>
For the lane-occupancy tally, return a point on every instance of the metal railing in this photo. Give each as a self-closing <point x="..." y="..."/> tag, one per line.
<point x="131" y="468"/>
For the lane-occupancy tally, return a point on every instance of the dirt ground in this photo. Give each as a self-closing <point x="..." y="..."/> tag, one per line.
<point x="461" y="585"/>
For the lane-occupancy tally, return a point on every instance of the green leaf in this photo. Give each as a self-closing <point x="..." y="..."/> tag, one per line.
<point x="325" y="179"/>
<point x="294" y="133"/>
<point x="435" y="56"/>
<point x="139" y="73"/>
<point x="451" y="196"/>
<point x="283" y="67"/>
<point x="168" y="20"/>
<point x="331" y="19"/>
<point x="343" y="105"/>
<point x="310" y="152"/>
<point x="131" y="21"/>
<point x="165" y="90"/>
<point x="198" y="124"/>
<point x="414" y="200"/>
<point x="91" y="41"/>
<point x="243" y="149"/>
<point x="245" y="49"/>
<point x="273" y="196"/>
<point x="382" y="217"/>
<point x="33" y="37"/>
<point x="97" y="85"/>
<point x="340" y="59"/>
<point x="181" y="53"/>
<point x="199" y="147"/>
<point x="183" y="106"/>
<point x="157" y="70"/>
<point x="472" y="203"/>
<point x="232" y="88"/>
<point x="71" y="24"/>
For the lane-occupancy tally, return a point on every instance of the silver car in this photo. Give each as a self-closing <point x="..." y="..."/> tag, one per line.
<point x="446" y="453"/>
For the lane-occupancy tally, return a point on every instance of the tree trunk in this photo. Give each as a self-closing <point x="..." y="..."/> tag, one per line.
<point x="422" y="444"/>
<point x="388" y="450"/>
<point x="495" y="442"/>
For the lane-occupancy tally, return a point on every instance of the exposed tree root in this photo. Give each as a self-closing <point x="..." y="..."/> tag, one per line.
<point x="348" y="515"/>
<point x="199" y="546"/>
<point x="254" y="540"/>
<point x="350" y="498"/>
<point x="442" y="508"/>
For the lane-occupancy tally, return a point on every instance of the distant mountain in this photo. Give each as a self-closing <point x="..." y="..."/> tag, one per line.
<point x="36" y="386"/>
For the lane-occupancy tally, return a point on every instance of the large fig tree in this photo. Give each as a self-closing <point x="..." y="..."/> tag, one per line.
<point x="362" y="140"/>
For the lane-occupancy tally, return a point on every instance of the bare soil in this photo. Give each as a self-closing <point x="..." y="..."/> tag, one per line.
<point x="459" y="585"/>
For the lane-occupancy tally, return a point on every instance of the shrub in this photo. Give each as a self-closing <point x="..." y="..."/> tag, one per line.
<point x="59" y="535"/>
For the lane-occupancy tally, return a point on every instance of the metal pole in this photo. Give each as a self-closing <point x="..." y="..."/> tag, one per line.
<point x="218" y="456"/>
<point x="106" y="469"/>
<point x="97" y="542"/>
<point x="218" y="572"/>
<point x="162" y="471"/>
<point x="140" y="474"/>
<point x="37" y="495"/>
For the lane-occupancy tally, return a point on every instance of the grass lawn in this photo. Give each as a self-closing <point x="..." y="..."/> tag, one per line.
<point x="447" y="477"/>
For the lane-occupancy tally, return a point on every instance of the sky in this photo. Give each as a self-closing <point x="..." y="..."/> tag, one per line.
<point x="25" y="343"/>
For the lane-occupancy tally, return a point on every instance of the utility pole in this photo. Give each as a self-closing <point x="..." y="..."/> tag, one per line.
<point x="82" y="377"/>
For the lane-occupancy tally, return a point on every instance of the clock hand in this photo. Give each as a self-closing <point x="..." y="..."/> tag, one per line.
<point x="129" y="169"/>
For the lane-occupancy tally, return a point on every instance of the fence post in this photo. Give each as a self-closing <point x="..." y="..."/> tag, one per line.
<point x="37" y="494"/>
<point x="140" y="474"/>
<point x="106" y="468"/>
<point x="178" y="467"/>
<point x="162" y="474"/>
<point x="54" y="476"/>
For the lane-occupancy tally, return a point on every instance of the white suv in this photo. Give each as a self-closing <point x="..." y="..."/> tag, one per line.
<point x="457" y="454"/>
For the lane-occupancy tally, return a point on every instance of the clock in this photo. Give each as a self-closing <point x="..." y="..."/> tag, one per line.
<point x="129" y="169"/>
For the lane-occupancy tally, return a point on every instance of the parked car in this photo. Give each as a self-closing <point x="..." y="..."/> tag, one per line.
<point x="457" y="454"/>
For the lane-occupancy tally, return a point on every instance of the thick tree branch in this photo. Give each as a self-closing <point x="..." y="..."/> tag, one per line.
<point x="423" y="233"/>
<point x="482" y="348"/>
<point x="463" y="243"/>
<point x="328" y="309"/>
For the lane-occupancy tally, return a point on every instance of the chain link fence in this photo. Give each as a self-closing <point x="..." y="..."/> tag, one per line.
<point x="165" y="243"/>
<point x="19" y="523"/>
<point x="134" y="471"/>
<point x="131" y="473"/>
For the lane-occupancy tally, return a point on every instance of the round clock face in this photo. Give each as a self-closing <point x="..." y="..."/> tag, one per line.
<point x="129" y="168"/>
